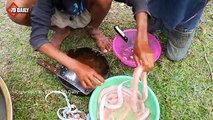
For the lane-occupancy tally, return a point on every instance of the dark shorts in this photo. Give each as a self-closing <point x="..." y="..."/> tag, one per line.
<point x="178" y="39"/>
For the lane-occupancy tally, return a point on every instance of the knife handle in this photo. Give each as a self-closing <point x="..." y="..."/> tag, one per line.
<point x="47" y="66"/>
<point x="121" y="33"/>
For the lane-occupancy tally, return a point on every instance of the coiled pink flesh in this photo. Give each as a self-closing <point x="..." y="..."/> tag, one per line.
<point x="119" y="102"/>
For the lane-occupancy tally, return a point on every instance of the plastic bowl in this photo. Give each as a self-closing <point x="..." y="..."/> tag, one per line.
<point x="151" y="102"/>
<point x="120" y="45"/>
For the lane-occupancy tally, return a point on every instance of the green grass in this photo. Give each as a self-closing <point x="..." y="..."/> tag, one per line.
<point x="184" y="89"/>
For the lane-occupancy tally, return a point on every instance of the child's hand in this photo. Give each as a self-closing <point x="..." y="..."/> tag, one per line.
<point x="88" y="77"/>
<point x="143" y="55"/>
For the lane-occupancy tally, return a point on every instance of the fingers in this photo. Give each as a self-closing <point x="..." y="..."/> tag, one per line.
<point x="99" y="77"/>
<point x="84" y="85"/>
<point x="92" y="81"/>
<point x="87" y="84"/>
<point x="88" y="77"/>
<point x="137" y="60"/>
<point x="95" y="81"/>
<point x="148" y="62"/>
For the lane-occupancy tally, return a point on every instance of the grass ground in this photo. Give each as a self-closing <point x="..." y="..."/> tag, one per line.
<point x="184" y="89"/>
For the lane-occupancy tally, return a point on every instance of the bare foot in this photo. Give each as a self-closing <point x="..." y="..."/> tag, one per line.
<point x="59" y="36"/>
<point x="101" y="40"/>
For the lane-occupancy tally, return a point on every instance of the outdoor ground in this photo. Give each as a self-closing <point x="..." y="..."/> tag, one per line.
<point x="184" y="89"/>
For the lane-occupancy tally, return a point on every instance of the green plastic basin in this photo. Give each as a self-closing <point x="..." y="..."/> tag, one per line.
<point x="151" y="102"/>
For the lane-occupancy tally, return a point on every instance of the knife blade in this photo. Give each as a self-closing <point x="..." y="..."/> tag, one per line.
<point x="123" y="36"/>
<point x="65" y="75"/>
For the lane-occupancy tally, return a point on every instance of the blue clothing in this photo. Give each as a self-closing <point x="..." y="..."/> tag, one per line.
<point x="178" y="39"/>
<point x="178" y="27"/>
<point x="72" y="7"/>
<point x="176" y="12"/>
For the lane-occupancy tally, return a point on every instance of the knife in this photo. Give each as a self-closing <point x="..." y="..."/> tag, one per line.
<point x="123" y="36"/>
<point x="68" y="78"/>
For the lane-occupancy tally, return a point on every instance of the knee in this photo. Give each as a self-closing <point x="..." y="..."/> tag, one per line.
<point x="23" y="19"/>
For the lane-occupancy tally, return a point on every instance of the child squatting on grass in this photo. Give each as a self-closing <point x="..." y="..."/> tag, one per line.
<point x="178" y="19"/>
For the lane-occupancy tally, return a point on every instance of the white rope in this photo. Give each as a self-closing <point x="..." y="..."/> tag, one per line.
<point x="65" y="112"/>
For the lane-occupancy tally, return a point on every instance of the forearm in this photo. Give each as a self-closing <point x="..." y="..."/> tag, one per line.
<point x="141" y="21"/>
<point x="59" y="56"/>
